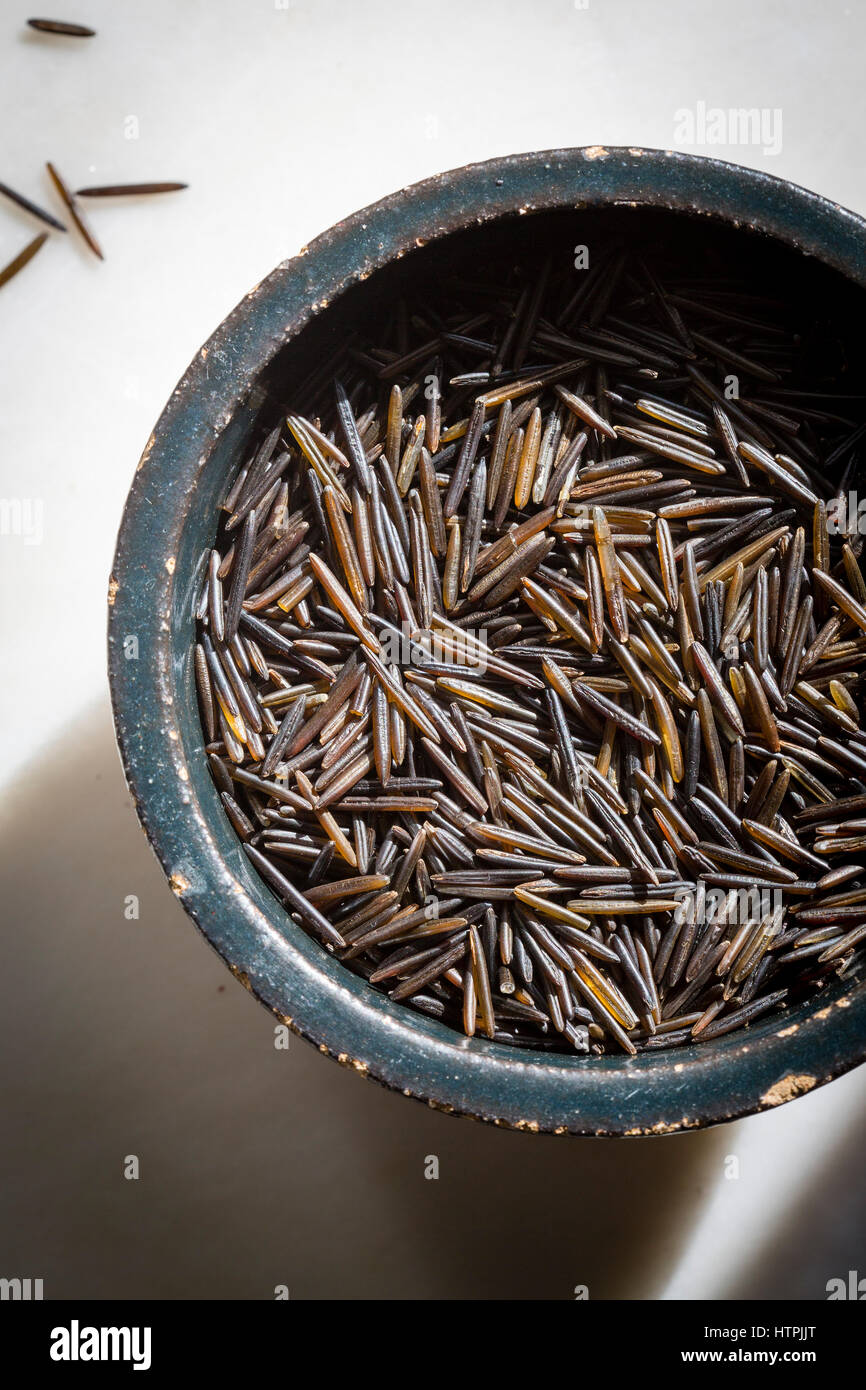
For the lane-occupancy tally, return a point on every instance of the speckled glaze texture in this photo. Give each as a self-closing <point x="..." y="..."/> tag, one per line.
<point x="166" y="529"/>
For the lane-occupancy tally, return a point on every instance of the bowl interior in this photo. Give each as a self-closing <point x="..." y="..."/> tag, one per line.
<point x="237" y="911"/>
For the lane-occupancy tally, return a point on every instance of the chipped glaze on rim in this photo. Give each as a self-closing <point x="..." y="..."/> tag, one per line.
<point x="157" y="724"/>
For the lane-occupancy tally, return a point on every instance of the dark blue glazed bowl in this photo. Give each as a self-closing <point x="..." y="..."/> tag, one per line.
<point x="168" y="526"/>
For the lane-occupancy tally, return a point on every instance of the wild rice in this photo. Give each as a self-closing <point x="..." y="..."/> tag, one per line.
<point x="520" y="725"/>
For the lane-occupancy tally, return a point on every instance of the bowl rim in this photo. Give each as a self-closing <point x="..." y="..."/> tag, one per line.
<point x="304" y="986"/>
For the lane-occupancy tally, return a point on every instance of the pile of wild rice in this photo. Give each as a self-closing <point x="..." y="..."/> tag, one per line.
<point x="529" y="660"/>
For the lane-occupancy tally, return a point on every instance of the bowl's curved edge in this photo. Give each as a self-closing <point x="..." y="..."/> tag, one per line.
<point x="279" y="963"/>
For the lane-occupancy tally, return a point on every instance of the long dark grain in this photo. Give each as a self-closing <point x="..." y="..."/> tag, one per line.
<point x="63" y="27"/>
<point x="528" y="662"/>
<point x="23" y="258"/>
<point x="69" y="202"/>
<point x="33" y="208"/>
<point x="127" y="190"/>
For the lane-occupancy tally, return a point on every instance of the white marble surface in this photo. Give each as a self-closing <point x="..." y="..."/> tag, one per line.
<point x="119" y="1036"/>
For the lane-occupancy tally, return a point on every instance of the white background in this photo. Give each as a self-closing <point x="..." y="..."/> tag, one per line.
<point x="261" y="1168"/>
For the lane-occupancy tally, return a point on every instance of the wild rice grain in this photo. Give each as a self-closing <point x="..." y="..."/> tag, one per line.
<point x="513" y="721"/>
